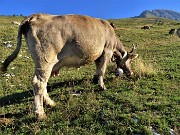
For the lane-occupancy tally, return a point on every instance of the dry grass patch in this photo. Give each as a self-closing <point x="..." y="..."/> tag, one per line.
<point x="143" y="68"/>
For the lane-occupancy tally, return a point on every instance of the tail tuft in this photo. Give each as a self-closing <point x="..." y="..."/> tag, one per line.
<point x="3" y="69"/>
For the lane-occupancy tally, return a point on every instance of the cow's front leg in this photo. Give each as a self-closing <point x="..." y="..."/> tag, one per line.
<point x="101" y="82"/>
<point x="101" y="65"/>
<point x="98" y="77"/>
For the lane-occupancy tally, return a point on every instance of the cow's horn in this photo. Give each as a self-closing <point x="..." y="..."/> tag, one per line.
<point x="124" y="58"/>
<point x="133" y="49"/>
<point x="125" y="54"/>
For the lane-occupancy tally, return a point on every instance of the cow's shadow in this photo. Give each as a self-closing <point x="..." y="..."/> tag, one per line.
<point x="18" y="98"/>
<point x="27" y="96"/>
<point x="13" y="99"/>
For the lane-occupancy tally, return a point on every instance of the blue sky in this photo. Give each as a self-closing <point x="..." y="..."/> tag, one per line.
<point x="105" y="9"/>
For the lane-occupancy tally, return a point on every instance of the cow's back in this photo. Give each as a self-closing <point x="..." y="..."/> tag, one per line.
<point x="83" y="28"/>
<point x="71" y="35"/>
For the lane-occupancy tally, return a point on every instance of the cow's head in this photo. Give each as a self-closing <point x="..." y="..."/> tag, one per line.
<point x="123" y="60"/>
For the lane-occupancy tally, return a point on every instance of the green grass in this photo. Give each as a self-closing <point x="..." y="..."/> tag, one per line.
<point x="151" y="98"/>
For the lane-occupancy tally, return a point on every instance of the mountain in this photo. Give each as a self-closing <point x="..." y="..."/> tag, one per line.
<point x="160" y="13"/>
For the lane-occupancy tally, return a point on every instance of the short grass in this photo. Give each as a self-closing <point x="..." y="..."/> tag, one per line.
<point x="150" y="100"/>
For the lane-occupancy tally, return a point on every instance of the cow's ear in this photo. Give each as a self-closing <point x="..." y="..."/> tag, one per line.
<point x="133" y="56"/>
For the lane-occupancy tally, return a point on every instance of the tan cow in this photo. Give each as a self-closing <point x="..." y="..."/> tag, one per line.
<point x="71" y="41"/>
<point x="178" y="32"/>
<point x="172" y="31"/>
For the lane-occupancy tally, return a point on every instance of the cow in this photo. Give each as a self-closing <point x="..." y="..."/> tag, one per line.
<point x="178" y="32"/>
<point x="55" y="41"/>
<point x="146" y="27"/>
<point x="172" y="31"/>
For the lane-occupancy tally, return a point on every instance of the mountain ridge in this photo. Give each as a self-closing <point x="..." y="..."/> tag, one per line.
<point x="160" y="13"/>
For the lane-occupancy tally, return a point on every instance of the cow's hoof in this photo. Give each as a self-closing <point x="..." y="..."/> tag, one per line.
<point x="2" y="69"/>
<point x="95" y="79"/>
<point x="51" y="103"/>
<point x="42" y="117"/>
<point x="55" y="73"/>
<point x="102" y="88"/>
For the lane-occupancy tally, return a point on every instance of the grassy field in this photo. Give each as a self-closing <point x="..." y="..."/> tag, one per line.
<point x="147" y="103"/>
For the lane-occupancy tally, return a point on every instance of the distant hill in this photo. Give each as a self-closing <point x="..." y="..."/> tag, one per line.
<point x="160" y="13"/>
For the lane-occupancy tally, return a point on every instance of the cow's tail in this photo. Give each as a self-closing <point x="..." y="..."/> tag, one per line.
<point x="10" y="58"/>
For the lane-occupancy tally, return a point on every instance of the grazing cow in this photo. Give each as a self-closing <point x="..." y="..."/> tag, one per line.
<point x="145" y="27"/>
<point x="178" y="32"/>
<point x="172" y="31"/>
<point x="71" y="41"/>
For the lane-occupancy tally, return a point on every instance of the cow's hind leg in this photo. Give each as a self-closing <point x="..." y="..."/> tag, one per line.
<point x="40" y="80"/>
<point x="38" y="89"/>
<point x="47" y="99"/>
